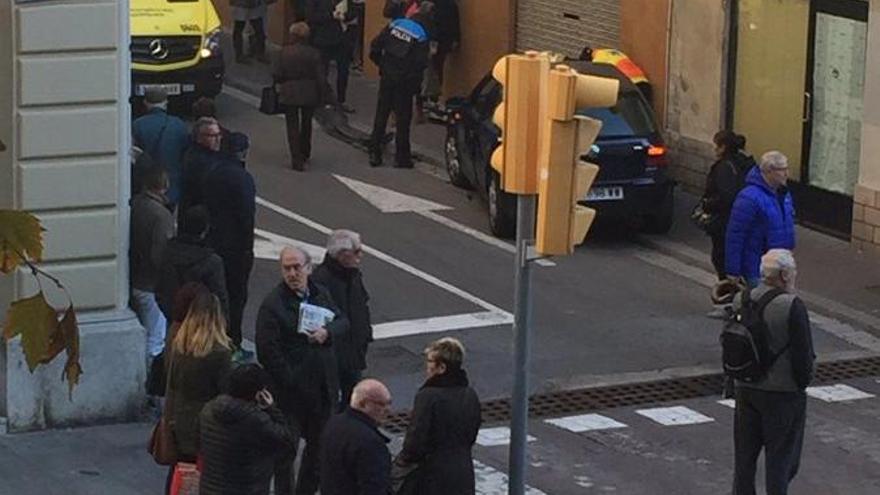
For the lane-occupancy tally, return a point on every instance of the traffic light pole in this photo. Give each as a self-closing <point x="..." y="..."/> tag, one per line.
<point x="525" y="236"/>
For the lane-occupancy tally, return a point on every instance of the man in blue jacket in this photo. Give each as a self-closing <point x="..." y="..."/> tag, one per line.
<point x="762" y="218"/>
<point x="164" y="137"/>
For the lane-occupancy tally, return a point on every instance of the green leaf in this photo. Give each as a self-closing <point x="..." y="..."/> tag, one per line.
<point x="20" y="234"/>
<point x="35" y="321"/>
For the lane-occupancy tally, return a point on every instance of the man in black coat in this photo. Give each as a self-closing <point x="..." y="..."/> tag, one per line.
<point x="230" y="195"/>
<point x="340" y="273"/>
<point x="327" y="23"/>
<point x="301" y="361"/>
<point x="242" y="434"/>
<point x="401" y="51"/>
<point x="188" y="259"/>
<point x="200" y="161"/>
<point x="354" y="453"/>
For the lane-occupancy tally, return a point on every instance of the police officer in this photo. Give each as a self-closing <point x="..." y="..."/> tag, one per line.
<point x="401" y="51"/>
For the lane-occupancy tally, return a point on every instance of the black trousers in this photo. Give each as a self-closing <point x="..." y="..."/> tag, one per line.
<point x="238" y="270"/>
<point x="396" y="97"/>
<point x="341" y="55"/>
<point x="259" y="46"/>
<point x="308" y="480"/>
<point x="774" y="422"/>
<point x="347" y="380"/>
<point x="718" y="254"/>
<point x="299" y="134"/>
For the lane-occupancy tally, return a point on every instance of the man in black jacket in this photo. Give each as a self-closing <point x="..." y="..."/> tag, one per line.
<point x="401" y="52"/>
<point x="340" y="273"/>
<point x="300" y="359"/>
<point x="771" y="413"/>
<point x="242" y="434"/>
<point x="230" y="195"/>
<point x="200" y="161"/>
<point x="328" y="24"/>
<point x="188" y="259"/>
<point x="354" y="453"/>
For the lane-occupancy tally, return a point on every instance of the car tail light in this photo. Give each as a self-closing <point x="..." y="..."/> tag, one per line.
<point x="657" y="156"/>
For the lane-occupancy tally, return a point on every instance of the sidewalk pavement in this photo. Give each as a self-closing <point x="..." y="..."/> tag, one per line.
<point x="833" y="276"/>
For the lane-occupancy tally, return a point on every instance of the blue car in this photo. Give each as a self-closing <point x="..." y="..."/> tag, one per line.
<point x="632" y="185"/>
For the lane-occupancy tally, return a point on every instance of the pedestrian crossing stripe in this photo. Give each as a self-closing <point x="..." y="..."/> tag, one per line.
<point x="586" y="422"/>
<point x="674" y="416"/>
<point x="494" y="437"/>
<point x="837" y="393"/>
<point x="491" y="481"/>
<point x="728" y="403"/>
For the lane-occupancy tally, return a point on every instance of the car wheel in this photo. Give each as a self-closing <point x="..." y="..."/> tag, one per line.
<point x="502" y="209"/>
<point x="453" y="159"/>
<point x="661" y="222"/>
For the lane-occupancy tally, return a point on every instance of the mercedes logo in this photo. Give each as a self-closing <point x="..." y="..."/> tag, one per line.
<point x="158" y="49"/>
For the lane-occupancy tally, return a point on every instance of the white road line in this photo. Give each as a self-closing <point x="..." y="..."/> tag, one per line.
<point x="728" y="403"/>
<point x="389" y="259"/>
<point x="702" y="277"/>
<point x="491" y="481"/>
<point x="439" y="324"/>
<point x="837" y="393"/>
<point x="269" y="247"/>
<point x="586" y="422"/>
<point x="674" y="416"/>
<point x="495" y="437"/>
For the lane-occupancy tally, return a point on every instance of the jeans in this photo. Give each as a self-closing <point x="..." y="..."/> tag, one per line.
<point x="774" y="422"/>
<point x="147" y="309"/>
<point x="341" y="54"/>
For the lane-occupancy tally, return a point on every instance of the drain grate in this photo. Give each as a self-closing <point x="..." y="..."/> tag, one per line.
<point x="591" y="399"/>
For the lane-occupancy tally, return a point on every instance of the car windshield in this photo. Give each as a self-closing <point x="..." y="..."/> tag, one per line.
<point x="630" y="117"/>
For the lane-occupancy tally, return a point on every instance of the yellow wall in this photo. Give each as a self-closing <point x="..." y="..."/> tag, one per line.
<point x="770" y="70"/>
<point x="646" y="43"/>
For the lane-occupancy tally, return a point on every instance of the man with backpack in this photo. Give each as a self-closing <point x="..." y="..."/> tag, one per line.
<point x="164" y="138"/>
<point x="768" y="350"/>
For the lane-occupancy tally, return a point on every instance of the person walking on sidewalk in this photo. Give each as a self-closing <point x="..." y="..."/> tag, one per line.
<point x="726" y="178"/>
<point x="340" y="273"/>
<point x="151" y="226"/>
<point x="328" y="20"/>
<point x="762" y="218"/>
<point x="199" y="362"/>
<point x="242" y="434"/>
<point x="443" y="427"/>
<point x="401" y="53"/>
<point x="300" y="79"/>
<point x="771" y="413"/>
<point x="164" y="138"/>
<point x="354" y="453"/>
<point x="300" y="359"/>
<point x="253" y="12"/>
<point x="230" y="196"/>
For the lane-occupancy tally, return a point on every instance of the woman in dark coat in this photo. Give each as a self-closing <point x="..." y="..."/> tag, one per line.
<point x="725" y="179"/>
<point x="443" y="426"/>
<point x="300" y="80"/>
<point x="199" y="362"/>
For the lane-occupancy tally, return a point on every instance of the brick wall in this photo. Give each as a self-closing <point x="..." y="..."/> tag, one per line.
<point x="565" y="26"/>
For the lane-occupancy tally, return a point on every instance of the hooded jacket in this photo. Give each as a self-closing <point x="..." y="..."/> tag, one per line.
<point x="761" y="219"/>
<point x="187" y="259"/>
<point x="239" y="445"/>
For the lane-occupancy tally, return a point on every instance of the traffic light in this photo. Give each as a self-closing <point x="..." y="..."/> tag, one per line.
<point x="519" y="118"/>
<point x="564" y="178"/>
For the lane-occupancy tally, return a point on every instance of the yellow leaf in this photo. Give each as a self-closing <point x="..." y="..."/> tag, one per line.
<point x="69" y="332"/>
<point x="35" y="320"/>
<point x="20" y="233"/>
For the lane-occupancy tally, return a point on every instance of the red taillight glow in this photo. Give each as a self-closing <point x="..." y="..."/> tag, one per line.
<point x="656" y="151"/>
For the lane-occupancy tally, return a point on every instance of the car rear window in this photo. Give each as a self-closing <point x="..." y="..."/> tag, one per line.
<point x="630" y="117"/>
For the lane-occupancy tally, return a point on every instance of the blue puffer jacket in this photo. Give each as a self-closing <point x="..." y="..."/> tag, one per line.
<point x="761" y="219"/>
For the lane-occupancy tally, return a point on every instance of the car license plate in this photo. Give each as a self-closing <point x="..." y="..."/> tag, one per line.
<point x="605" y="193"/>
<point x="170" y="89"/>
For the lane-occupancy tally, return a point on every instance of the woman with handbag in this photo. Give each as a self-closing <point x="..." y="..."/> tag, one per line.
<point x="436" y="457"/>
<point x="200" y="359"/>
<point x="300" y="82"/>
<point x="725" y="179"/>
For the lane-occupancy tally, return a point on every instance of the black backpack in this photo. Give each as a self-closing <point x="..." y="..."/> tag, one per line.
<point x="745" y="348"/>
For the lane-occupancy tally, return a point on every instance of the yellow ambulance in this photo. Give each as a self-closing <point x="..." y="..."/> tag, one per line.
<point x="176" y="44"/>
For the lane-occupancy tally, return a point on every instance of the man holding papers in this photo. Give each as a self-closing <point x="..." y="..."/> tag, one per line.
<point x="297" y="325"/>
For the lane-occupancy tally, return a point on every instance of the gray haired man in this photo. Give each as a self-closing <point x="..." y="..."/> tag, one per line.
<point x="771" y="413"/>
<point x="340" y="273"/>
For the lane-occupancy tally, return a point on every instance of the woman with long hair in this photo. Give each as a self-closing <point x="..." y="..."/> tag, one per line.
<point x="199" y="361"/>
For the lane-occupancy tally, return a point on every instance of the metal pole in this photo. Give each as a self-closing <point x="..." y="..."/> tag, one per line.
<point x="519" y="405"/>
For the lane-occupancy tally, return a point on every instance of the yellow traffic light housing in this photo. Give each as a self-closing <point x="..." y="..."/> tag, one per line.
<point x="564" y="179"/>
<point x="519" y="116"/>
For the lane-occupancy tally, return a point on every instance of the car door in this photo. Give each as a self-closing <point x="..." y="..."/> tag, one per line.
<point x="484" y="99"/>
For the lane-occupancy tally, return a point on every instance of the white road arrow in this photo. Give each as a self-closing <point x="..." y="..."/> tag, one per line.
<point x="390" y="201"/>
